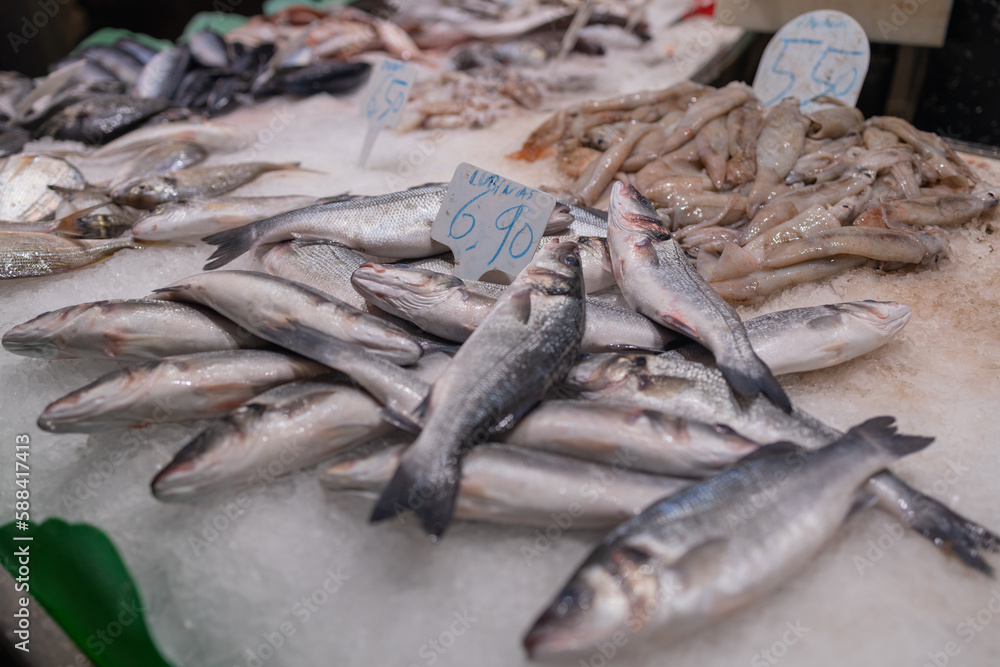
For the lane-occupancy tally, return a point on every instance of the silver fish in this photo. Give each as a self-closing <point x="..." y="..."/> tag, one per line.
<point x="295" y="316"/>
<point x="324" y="265"/>
<point x="192" y="386"/>
<point x="26" y="254"/>
<point x="524" y="346"/>
<point x="659" y="281"/>
<point x="214" y="136"/>
<point x="197" y="217"/>
<point x="146" y="192"/>
<point x="684" y="562"/>
<point x="168" y="156"/>
<point x="25" y="195"/>
<point x="288" y="428"/>
<point x="132" y="329"/>
<point x="509" y="485"/>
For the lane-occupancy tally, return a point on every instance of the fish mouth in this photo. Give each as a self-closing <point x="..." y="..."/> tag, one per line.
<point x="886" y="316"/>
<point x="408" y="291"/>
<point x="629" y="211"/>
<point x="29" y="342"/>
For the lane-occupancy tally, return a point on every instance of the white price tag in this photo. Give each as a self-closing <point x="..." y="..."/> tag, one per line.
<point x="387" y="95"/>
<point x="820" y="53"/>
<point x="490" y="222"/>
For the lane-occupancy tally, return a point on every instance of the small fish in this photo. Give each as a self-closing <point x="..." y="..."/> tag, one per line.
<point x="181" y="388"/>
<point x="100" y="119"/>
<point x="659" y="281"/>
<point x="522" y="487"/>
<point x="168" y="156"/>
<point x="24" y="255"/>
<point x="524" y="346"/>
<point x="25" y="195"/>
<point x="161" y="76"/>
<point x="197" y="182"/>
<point x="293" y="315"/>
<point x="127" y="329"/>
<point x="288" y="428"/>
<point x="684" y="563"/>
<point x="335" y="78"/>
<point x="213" y="136"/>
<point x="190" y="218"/>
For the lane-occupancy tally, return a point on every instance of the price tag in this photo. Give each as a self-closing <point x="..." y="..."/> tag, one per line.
<point x="820" y="53"/>
<point x="387" y="95"/>
<point x="490" y="222"/>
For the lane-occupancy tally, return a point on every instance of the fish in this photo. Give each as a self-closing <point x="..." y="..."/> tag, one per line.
<point x="684" y="562"/>
<point x="522" y="487"/>
<point x="26" y="254"/>
<point x="395" y="225"/>
<point x="190" y="218"/>
<point x="180" y="388"/>
<point x="324" y="265"/>
<point x="100" y="119"/>
<point x="292" y="315"/>
<point x="524" y="346"/>
<point x="168" y="156"/>
<point x="288" y="428"/>
<point x="208" y="49"/>
<point x="25" y="195"/>
<point x="649" y="440"/>
<point x="335" y="78"/>
<point x="213" y="136"/>
<point x="146" y="192"/>
<point x="133" y="329"/>
<point x="659" y="282"/>
<point x="161" y="76"/>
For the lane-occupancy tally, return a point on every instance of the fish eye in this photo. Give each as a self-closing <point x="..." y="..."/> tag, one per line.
<point x="571" y="260"/>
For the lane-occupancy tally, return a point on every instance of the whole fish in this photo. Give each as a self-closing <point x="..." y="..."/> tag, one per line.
<point x="24" y="255"/>
<point x="684" y="563"/>
<point x="521" y="487"/>
<point x="192" y="386"/>
<point x="648" y="440"/>
<point x="215" y="137"/>
<point x="161" y="76"/>
<point x="168" y="156"/>
<point x="393" y="225"/>
<point x="659" y="281"/>
<point x="196" y="217"/>
<point x="126" y="329"/>
<point x="146" y="192"/>
<point x="288" y="428"/>
<point x="524" y="346"/>
<point x="292" y="315"/>
<point x="100" y="119"/>
<point x="25" y="195"/>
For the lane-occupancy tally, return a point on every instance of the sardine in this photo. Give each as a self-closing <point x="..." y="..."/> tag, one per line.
<point x="24" y="255"/>
<point x="197" y="182"/>
<point x="683" y="563"/>
<point x="133" y="329"/>
<point x="288" y="428"/>
<point x="524" y="346"/>
<point x="196" y="217"/>
<point x="521" y="487"/>
<point x="25" y="195"/>
<point x="297" y="317"/>
<point x="173" y="389"/>
<point x="659" y="282"/>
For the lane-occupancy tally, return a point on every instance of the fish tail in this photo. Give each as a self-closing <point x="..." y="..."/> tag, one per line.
<point x="748" y="380"/>
<point x="297" y="166"/>
<point x="881" y="432"/>
<point x="230" y="244"/>
<point x="429" y="491"/>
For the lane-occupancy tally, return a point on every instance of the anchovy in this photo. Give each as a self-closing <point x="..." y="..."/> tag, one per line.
<point x="659" y="281"/>
<point x="684" y="562"/>
<point x="173" y="389"/>
<point x="524" y="346"/>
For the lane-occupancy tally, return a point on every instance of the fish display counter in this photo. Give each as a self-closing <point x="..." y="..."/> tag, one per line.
<point x="237" y="480"/>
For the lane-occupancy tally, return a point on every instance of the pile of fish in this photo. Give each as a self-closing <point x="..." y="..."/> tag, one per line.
<point x="480" y="401"/>
<point x="768" y="198"/>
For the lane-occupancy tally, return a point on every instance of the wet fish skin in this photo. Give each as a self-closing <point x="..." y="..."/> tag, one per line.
<point x="134" y="329"/>
<point x="521" y="487"/>
<point x="324" y="265"/>
<point x="100" y="119"/>
<point x="683" y="563"/>
<point x="161" y="76"/>
<point x="524" y="346"/>
<point x="26" y="254"/>
<point x="196" y="182"/>
<point x="659" y="282"/>
<point x="178" y="388"/>
<point x="395" y="225"/>
<point x="293" y="315"/>
<point x="168" y="156"/>
<point x="196" y="217"/>
<point x="292" y="427"/>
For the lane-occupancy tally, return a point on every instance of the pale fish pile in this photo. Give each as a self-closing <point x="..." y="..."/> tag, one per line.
<point x="325" y="351"/>
<point x="768" y="198"/>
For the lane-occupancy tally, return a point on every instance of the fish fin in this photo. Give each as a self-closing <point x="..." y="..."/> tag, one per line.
<point x="427" y="491"/>
<point x="757" y="379"/>
<point x="624" y="347"/>
<point x="430" y="346"/>
<point x="231" y="243"/>
<point x="342" y="197"/>
<point x="701" y="564"/>
<point x="519" y="305"/>
<point x="400" y="420"/>
<point x="881" y="432"/>
<point x="783" y="448"/>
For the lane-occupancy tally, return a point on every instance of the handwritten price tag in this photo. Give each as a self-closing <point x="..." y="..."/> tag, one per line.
<point x="820" y="53"/>
<point x="490" y="222"/>
<point x="387" y="95"/>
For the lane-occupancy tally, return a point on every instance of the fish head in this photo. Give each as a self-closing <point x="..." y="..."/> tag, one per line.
<point x="886" y="318"/>
<point x="41" y="337"/>
<point x="145" y="193"/>
<point x="629" y="211"/>
<point x="597" y="373"/>
<point x="556" y="269"/>
<point x="405" y="289"/>
<point x="368" y="473"/>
